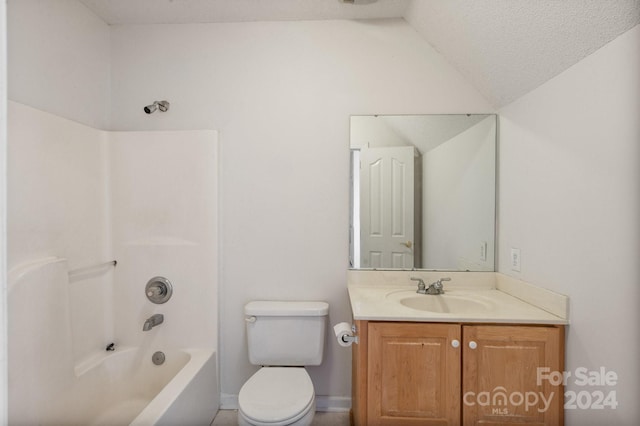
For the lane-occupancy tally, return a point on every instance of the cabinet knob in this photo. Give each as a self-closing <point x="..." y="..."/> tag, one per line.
<point x="473" y="344"/>
<point x="455" y="343"/>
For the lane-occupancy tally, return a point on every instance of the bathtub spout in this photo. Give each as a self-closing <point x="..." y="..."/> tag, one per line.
<point x="153" y="321"/>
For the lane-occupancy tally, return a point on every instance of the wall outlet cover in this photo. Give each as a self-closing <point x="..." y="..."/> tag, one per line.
<point x="515" y="259"/>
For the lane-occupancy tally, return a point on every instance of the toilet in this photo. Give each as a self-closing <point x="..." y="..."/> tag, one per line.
<point x="283" y="337"/>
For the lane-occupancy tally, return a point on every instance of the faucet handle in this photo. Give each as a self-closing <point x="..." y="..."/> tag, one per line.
<point x="158" y="290"/>
<point x="439" y="282"/>
<point x="155" y="291"/>
<point x="421" y="285"/>
<point x="420" y="281"/>
<point x="436" y="287"/>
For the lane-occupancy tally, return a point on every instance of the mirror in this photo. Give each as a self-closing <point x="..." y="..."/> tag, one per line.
<point x="423" y="192"/>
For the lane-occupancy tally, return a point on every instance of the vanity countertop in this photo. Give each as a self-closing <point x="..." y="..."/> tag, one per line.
<point x="487" y="303"/>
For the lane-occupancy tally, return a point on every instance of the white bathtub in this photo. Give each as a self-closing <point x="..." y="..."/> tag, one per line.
<point x="190" y="398"/>
<point x="124" y="387"/>
<point x="121" y="387"/>
<point x="182" y="391"/>
<point x="133" y="390"/>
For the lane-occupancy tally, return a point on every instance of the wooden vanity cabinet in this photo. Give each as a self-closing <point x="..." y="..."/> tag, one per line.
<point x="410" y="373"/>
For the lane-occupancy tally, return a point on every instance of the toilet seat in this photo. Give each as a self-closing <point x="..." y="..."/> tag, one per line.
<point x="276" y="396"/>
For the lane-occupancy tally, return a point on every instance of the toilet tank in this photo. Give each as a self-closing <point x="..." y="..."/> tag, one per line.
<point x="286" y="333"/>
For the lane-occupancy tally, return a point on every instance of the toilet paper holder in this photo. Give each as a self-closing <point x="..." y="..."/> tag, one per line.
<point x="350" y="339"/>
<point x="353" y="338"/>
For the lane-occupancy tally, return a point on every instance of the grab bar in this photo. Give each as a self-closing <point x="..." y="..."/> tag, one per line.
<point x="84" y="269"/>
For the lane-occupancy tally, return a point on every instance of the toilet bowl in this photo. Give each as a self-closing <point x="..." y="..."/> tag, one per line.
<point x="277" y="396"/>
<point x="283" y="337"/>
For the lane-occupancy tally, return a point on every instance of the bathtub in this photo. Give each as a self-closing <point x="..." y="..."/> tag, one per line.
<point x="124" y="387"/>
<point x="190" y="398"/>
<point x="47" y="386"/>
<point x="181" y="391"/>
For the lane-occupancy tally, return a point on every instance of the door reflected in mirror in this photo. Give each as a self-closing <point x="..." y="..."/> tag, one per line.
<point x="423" y="192"/>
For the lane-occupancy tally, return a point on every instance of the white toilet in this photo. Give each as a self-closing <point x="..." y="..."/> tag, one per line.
<point x="283" y="337"/>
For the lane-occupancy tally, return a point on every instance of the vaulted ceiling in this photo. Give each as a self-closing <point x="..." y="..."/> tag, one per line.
<point x="504" y="47"/>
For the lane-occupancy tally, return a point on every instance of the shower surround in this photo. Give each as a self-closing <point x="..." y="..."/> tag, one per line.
<point x="82" y="197"/>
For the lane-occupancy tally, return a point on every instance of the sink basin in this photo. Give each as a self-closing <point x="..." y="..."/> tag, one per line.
<point x="443" y="303"/>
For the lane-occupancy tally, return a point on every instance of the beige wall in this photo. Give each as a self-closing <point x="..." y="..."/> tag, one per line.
<point x="570" y="200"/>
<point x="58" y="59"/>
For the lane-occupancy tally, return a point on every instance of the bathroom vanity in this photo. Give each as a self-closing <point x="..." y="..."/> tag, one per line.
<point x="476" y="354"/>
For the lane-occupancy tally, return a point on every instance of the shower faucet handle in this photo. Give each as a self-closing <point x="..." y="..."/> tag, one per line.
<point x="155" y="291"/>
<point x="158" y="290"/>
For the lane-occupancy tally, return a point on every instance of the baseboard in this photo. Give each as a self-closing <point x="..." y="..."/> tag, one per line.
<point x="228" y="402"/>
<point x="333" y="403"/>
<point x="323" y="403"/>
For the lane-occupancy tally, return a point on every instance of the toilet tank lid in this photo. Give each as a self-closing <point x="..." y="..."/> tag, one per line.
<point x="272" y="308"/>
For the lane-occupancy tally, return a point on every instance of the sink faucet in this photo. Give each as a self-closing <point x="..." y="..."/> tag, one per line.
<point x="153" y="321"/>
<point x="434" y="288"/>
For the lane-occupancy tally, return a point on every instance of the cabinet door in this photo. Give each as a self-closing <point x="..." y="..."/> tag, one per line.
<point x="414" y="374"/>
<point x="500" y="375"/>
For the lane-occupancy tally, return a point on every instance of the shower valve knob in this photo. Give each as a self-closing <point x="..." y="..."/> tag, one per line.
<point x="155" y="292"/>
<point x="158" y="290"/>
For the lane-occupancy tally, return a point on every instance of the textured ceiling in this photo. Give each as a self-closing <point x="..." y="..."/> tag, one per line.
<point x="508" y="47"/>
<point x="505" y="48"/>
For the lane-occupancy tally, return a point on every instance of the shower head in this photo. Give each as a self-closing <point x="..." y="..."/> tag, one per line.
<point x="151" y="108"/>
<point x="163" y="106"/>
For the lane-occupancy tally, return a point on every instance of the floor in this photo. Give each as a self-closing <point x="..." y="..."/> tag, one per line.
<point x="229" y="418"/>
